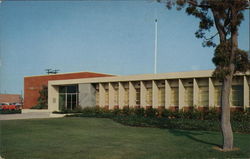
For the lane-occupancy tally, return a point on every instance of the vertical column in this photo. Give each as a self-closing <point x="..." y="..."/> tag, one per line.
<point x="181" y="94"/>
<point x="101" y="95"/>
<point x="132" y="95"/>
<point x="121" y="95"/>
<point x="143" y="95"/>
<point x="230" y="96"/>
<point x="210" y="93"/>
<point x="111" y="96"/>
<point x="53" y="98"/>
<point x="246" y="93"/>
<point x="196" y="93"/>
<point x="155" y="91"/>
<point x="167" y="94"/>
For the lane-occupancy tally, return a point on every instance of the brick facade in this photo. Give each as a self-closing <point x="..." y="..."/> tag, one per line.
<point x="10" y="98"/>
<point x="33" y="84"/>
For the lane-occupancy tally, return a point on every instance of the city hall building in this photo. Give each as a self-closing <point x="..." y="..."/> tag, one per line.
<point x="175" y="91"/>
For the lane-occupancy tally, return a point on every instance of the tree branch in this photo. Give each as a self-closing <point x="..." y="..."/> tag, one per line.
<point x="219" y="26"/>
<point x="211" y="36"/>
<point x="197" y="5"/>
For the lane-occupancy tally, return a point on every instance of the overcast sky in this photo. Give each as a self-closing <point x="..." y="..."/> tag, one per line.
<point x="115" y="37"/>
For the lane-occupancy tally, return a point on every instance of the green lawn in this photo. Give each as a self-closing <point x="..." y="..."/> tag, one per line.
<point x="81" y="138"/>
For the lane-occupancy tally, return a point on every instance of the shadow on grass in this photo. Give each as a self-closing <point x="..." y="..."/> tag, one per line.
<point x="192" y="135"/>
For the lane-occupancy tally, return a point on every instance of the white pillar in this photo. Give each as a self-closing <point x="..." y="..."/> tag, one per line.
<point x="121" y="95"/>
<point x="167" y="94"/>
<point x="101" y="95"/>
<point x="181" y="94"/>
<point x="143" y="95"/>
<point x="132" y="95"/>
<point x="53" y="98"/>
<point x="111" y="96"/>
<point x="211" y="93"/>
<point x="195" y="93"/>
<point x="246" y="93"/>
<point x="155" y="91"/>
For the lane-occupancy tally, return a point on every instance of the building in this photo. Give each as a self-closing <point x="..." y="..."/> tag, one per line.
<point x="33" y="84"/>
<point x="175" y="91"/>
<point x="10" y="98"/>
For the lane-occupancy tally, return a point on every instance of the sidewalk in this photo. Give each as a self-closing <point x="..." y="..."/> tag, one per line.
<point x="30" y="114"/>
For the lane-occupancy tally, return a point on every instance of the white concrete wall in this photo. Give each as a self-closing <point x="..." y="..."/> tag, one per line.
<point x="176" y="79"/>
<point x="246" y="92"/>
<point x="53" y="98"/>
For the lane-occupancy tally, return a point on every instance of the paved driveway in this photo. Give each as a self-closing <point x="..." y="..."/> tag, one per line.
<point x="30" y="115"/>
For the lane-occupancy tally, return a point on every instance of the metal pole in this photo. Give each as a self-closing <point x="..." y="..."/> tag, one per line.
<point x="156" y="36"/>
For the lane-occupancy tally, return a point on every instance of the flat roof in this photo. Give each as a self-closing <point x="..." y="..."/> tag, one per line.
<point x="68" y="73"/>
<point x="140" y="77"/>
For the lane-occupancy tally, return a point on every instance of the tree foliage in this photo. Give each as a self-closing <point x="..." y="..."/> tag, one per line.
<point x="212" y="13"/>
<point x="222" y="62"/>
<point x="226" y="16"/>
<point x="42" y="101"/>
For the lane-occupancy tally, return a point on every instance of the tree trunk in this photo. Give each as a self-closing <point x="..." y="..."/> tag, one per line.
<point x="227" y="84"/>
<point x="225" y="114"/>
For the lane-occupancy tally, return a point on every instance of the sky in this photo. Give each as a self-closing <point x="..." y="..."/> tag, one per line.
<point x="106" y="36"/>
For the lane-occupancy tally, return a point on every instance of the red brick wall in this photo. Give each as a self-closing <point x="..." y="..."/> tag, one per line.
<point x="10" y="98"/>
<point x="33" y="84"/>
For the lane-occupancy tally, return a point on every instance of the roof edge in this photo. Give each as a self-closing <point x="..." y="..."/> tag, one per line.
<point x="68" y="73"/>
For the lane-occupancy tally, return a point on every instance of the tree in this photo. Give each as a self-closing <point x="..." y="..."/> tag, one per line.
<point x="226" y="16"/>
<point x="42" y="100"/>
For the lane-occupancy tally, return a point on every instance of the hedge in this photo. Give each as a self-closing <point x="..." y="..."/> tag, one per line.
<point x="163" y="118"/>
<point x="10" y="111"/>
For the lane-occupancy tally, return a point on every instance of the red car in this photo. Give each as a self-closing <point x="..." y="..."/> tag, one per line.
<point x="10" y="106"/>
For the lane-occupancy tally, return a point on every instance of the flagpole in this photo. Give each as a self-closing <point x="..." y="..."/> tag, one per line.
<point x="156" y="36"/>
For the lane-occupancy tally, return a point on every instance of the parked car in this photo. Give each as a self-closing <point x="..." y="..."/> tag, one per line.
<point x="10" y="106"/>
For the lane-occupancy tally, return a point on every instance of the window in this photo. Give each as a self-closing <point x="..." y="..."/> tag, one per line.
<point x="203" y="96"/>
<point x="161" y="96"/>
<point x="126" y="97"/>
<point x="97" y="95"/>
<point x="217" y="95"/>
<point x="174" y="96"/>
<point x="106" y="97"/>
<point x="237" y="95"/>
<point x="149" y="97"/>
<point x="116" y="97"/>
<point x="137" y="96"/>
<point x="189" y="96"/>
<point x="68" y="97"/>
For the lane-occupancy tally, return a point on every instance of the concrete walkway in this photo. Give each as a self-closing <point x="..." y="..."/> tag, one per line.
<point x="30" y="114"/>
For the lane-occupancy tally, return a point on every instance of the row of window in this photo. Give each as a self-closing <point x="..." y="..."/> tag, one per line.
<point x="203" y="96"/>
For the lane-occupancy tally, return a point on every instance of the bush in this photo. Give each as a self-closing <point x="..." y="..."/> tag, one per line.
<point x="150" y="112"/>
<point x="139" y="111"/>
<point x="163" y="118"/>
<point x="10" y="111"/>
<point x="38" y="107"/>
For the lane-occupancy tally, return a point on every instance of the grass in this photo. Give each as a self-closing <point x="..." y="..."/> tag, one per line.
<point x="83" y="138"/>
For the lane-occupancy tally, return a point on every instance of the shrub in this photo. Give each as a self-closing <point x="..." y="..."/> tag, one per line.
<point x="42" y="100"/>
<point x="150" y="112"/>
<point x="139" y="111"/>
<point x="240" y="116"/>
<point x="10" y="111"/>
<point x="163" y="118"/>
<point x="212" y="114"/>
<point x="165" y="113"/>
<point x="38" y="107"/>
<point x="116" y="111"/>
